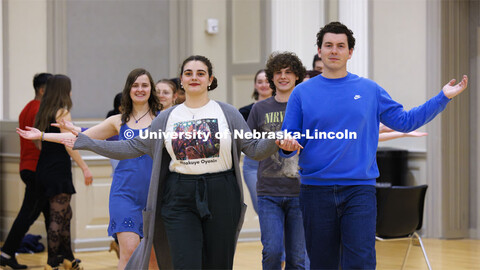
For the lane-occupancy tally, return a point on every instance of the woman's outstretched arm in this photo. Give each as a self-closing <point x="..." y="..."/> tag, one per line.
<point x="124" y="149"/>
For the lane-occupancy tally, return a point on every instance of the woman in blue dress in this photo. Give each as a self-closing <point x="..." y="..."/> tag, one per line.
<point x="131" y="179"/>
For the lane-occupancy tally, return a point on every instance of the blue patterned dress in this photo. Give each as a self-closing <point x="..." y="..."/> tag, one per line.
<point x="129" y="191"/>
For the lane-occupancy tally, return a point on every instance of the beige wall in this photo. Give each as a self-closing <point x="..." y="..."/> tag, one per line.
<point x="213" y="47"/>
<point x="27" y="52"/>
<point x="246" y="49"/>
<point x="399" y="62"/>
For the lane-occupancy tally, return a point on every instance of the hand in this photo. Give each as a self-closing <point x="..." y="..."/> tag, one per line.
<point x="384" y="128"/>
<point x="88" y="176"/>
<point x="289" y="144"/>
<point x="69" y="142"/>
<point x="30" y="133"/>
<point x="67" y="125"/>
<point x="451" y="90"/>
<point x="416" y="134"/>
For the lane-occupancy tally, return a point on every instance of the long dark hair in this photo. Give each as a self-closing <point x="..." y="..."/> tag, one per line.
<point x="56" y="97"/>
<point x="207" y="62"/>
<point x="127" y="104"/>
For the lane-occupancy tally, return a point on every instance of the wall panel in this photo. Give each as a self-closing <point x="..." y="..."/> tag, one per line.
<point x="246" y="28"/>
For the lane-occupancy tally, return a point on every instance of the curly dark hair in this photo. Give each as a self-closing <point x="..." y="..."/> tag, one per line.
<point x="336" y="28"/>
<point x="207" y="63"/>
<point x="277" y="60"/>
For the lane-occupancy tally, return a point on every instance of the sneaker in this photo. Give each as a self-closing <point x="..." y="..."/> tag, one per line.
<point x="12" y="262"/>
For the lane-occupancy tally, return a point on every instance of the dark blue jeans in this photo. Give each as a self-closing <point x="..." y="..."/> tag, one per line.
<point x="281" y="226"/>
<point x="339" y="226"/>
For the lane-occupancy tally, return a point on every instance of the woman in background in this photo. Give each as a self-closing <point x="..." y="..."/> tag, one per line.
<point x="54" y="172"/>
<point x="180" y="91"/>
<point x="131" y="179"/>
<point x="261" y="91"/>
<point x="166" y="91"/>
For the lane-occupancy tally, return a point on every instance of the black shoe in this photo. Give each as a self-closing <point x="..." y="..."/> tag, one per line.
<point x="12" y="262"/>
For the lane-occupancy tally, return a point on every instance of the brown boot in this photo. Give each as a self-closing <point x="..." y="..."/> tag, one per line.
<point x="72" y="265"/>
<point x="114" y="246"/>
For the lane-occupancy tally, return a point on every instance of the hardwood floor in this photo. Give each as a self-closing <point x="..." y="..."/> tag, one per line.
<point x="443" y="255"/>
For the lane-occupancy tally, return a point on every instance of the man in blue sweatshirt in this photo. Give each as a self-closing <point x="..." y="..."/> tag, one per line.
<point x="338" y="115"/>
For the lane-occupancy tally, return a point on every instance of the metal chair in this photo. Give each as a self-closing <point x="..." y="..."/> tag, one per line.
<point x="400" y="215"/>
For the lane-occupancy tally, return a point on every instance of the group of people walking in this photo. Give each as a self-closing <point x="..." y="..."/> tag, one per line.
<point x="315" y="197"/>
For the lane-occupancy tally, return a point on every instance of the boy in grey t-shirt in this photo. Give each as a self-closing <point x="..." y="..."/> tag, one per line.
<point x="278" y="183"/>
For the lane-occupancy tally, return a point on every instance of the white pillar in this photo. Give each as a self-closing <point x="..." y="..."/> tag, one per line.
<point x="354" y="14"/>
<point x="295" y="24"/>
<point x="1" y="62"/>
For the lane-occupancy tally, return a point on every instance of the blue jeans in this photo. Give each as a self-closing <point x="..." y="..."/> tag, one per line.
<point x="281" y="225"/>
<point x="339" y="226"/>
<point x="250" y="168"/>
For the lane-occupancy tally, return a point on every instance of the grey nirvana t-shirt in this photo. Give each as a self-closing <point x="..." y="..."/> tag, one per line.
<point x="277" y="176"/>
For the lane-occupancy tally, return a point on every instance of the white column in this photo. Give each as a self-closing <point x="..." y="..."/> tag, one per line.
<point x="1" y="62"/>
<point x="295" y="24"/>
<point x="354" y="14"/>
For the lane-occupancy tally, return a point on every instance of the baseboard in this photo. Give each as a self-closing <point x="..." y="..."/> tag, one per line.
<point x="91" y="244"/>
<point x="249" y="235"/>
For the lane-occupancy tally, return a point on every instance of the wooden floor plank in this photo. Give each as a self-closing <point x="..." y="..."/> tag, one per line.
<point x="443" y="255"/>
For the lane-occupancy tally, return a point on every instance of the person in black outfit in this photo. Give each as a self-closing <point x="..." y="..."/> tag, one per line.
<point x="117" y="102"/>
<point x="54" y="172"/>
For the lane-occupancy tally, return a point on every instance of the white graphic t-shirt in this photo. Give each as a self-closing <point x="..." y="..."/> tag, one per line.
<point x="199" y="140"/>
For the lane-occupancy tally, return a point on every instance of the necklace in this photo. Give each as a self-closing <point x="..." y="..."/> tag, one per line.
<point x="192" y="113"/>
<point x="136" y="120"/>
<point x="195" y="110"/>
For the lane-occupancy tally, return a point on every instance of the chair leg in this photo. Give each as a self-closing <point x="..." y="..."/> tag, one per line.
<point x="423" y="249"/>
<point x="408" y="251"/>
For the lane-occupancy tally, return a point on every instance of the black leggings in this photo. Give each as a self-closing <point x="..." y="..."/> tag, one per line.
<point x="58" y="234"/>
<point x="201" y="215"/>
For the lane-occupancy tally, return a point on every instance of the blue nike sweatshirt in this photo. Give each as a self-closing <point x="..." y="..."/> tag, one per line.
<point x="337" y="123"/>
